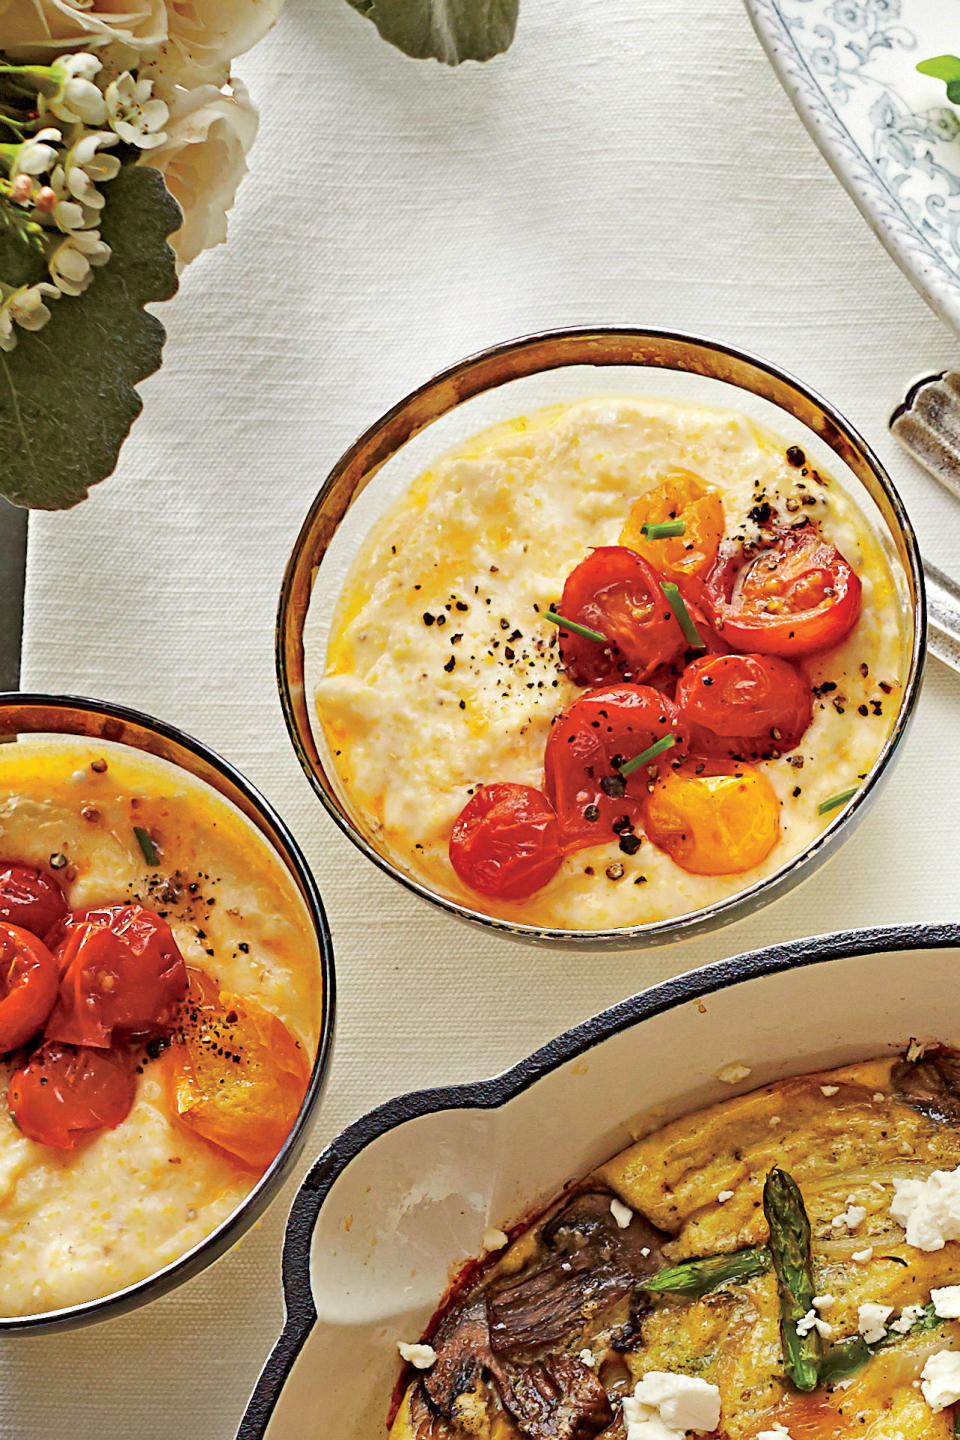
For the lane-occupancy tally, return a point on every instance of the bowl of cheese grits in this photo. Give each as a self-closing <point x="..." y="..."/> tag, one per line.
<point x="166" y="1008"/>
<point x="602" y="636"/>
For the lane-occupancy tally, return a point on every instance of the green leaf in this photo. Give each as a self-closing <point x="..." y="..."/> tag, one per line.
<point x="947" y="69"/>
<point x="447" y="30"/>
<point x="66" y="392"/>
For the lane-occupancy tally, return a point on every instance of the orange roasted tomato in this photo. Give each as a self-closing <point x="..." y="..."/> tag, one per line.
<point x="66" y="1093"/>
<point x="235" y="1075"/>
<point x="120" y="971"/>
<point x="713" y="818"/>
<point x="680" y="496"/>
<point x="28" y="985"/>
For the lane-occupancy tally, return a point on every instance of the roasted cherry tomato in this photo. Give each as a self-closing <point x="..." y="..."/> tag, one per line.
<point x="588" y="744"/>
<point x="65" y="1093"/>
<point x="30" y="899"/>
<point x="713" y="818"/>
<point x="29" y="978"/>
<point x="120" y="971"/>
<point x="236" y="1076"/>
<point x="678" y="496"/>
<point x="506" y="841"/>
<point x="618" y="594"/>
<point x="744" y="707"/>
<point x="794" y="595"/>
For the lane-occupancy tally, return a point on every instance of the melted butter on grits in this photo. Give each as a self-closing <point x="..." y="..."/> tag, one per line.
<point x="81" y="1224"/>
<point x="455" y="569"/>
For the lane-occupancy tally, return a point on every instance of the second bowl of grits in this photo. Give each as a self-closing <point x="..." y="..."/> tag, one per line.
<point x="602" y="634"/>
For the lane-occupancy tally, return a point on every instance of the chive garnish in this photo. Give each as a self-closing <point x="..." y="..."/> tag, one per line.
<point x="676" y="603"/>
<point x="150" y="852"/>
<point x="584" y="630"/>
<point x="834" y="800"/>
<point x="652" y="751"/>
<point x="664" y="529"/>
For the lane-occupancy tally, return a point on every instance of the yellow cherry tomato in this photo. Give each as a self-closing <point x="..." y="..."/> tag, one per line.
<point x="680" y="495"/>
<point x="721" y="822"/>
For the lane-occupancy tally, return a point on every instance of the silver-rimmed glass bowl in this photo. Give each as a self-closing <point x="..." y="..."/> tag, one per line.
<point x="23" y="715"/>
<point x="526" y="375"/>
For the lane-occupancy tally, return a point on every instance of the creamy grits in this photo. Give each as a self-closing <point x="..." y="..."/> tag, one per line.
<point x="79" y="1224"/>
<point x="441" y="674"/>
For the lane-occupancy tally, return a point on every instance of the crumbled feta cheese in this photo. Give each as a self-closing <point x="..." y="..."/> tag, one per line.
<point x="494" y="1239"/>
<point x="724" y="1196"/>
<point x="732" y="1074"/>
<point x="807" y="1324"/>
<point x="862" y="1256"/>
<point x="587" y="1357"/>
<point x="829" y="1090"/>
<point x="645" y="1251"/>
<point x="823" y="1302"/>
<point x="779" y="1432"/>
<point x="929" y="1210"/>
<point x="915" y="1051"/>
<point x="421" y="1357"/>
<point x="774" y="1121"/>
<point x="621" y="1213"/>
<point x="878" y="1097"/>
<point x="940" y="1380"/>
<point x="850" y="1218"/>
<point x="872" y="1321"/>
<point x="909" y="1316"/>
<point x="946" y="1302"/>
<point x="665" y="1406"/>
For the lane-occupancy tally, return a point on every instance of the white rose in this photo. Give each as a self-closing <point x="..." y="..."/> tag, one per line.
<point x="208" y="34"/>
<point x="37" y="27"/>
<point x="203" y="160"/>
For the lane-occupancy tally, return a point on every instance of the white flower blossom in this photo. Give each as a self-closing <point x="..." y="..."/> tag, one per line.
<point x="70" y="262"/>
<point x="78" y="98"/>
<point x="203" y="161"/>
<point x="25" y="306"/>
<point x="8" y="339"/>
<point x="132" y="113"/>
<point x="79" y="202"/>
<point x="37" y="28"/>
<point x="35" y="156"/>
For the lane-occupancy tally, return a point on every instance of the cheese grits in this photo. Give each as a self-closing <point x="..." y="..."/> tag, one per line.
<point x="159" y="1014"/>
<point x="610" y="664"/>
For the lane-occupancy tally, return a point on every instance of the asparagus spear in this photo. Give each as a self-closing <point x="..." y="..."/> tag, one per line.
<point x="696" y="1278"/>
<point x="848" y="1356"/>
<point x="790" y="1253"/>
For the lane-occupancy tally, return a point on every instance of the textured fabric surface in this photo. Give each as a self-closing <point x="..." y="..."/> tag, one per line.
<point x="631" y="162"/>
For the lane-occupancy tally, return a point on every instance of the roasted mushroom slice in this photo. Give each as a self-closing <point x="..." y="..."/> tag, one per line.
<point x="463" y="1348"/>
<point x="931" y="1085"/>
<point x="584" y="1264"/>
<point x="556" y="1398"/>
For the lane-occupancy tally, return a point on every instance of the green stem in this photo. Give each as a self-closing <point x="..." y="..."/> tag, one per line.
<point x="666" y="742"/>
<point x="676" y="602"/>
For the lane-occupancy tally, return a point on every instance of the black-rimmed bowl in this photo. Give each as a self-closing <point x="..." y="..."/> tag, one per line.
<point x="393" y="1208"/>
<point x="516" y="378"/>
<point x="30" y="714"/>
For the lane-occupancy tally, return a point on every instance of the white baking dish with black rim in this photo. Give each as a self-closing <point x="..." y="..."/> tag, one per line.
<point x="394" y="1207"/>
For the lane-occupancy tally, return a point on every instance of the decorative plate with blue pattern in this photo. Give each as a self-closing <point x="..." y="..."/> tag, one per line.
<point x="849" y="66"/>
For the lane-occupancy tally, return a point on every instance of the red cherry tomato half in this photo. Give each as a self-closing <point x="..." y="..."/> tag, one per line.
<point x="65" y="1093"/>
<point x="745" y="707"/>
<point x="120" y="970"/>
<point x="793" y="596"/>
<point x="28" y="985"/>
<point x="30" y="899"/>
<point x="588" y="744"/>
<point x="506" y="841"/>
<point x="618" y="594"/>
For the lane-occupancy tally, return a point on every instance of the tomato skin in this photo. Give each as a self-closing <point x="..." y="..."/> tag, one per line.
<point x="30" y="899"/>
<point x="120" y="971"/>
<point x="235" y="1075"/>
<point x="713" y="817"/>
<point x="744" y="707"/>
<point x="794" y="596"/>
<point x="618" y="722"/>
<point x="29" y="979"/>
<point x="681" y="495"/>
<point x="506" y="841"/>
<point x="617" y="593"/>
<point x="65" y="1093"/>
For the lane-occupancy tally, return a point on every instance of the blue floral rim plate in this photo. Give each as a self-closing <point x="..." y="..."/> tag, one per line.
<point x="849" y="66"/>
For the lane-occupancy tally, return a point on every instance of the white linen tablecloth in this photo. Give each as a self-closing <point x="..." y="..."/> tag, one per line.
<point x="628" y="161"/>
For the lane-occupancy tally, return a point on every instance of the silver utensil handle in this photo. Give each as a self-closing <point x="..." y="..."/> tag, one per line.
<point x="943" y="616"/>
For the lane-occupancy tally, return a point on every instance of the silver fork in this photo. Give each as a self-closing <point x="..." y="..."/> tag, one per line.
<point x="927" y="425"/>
